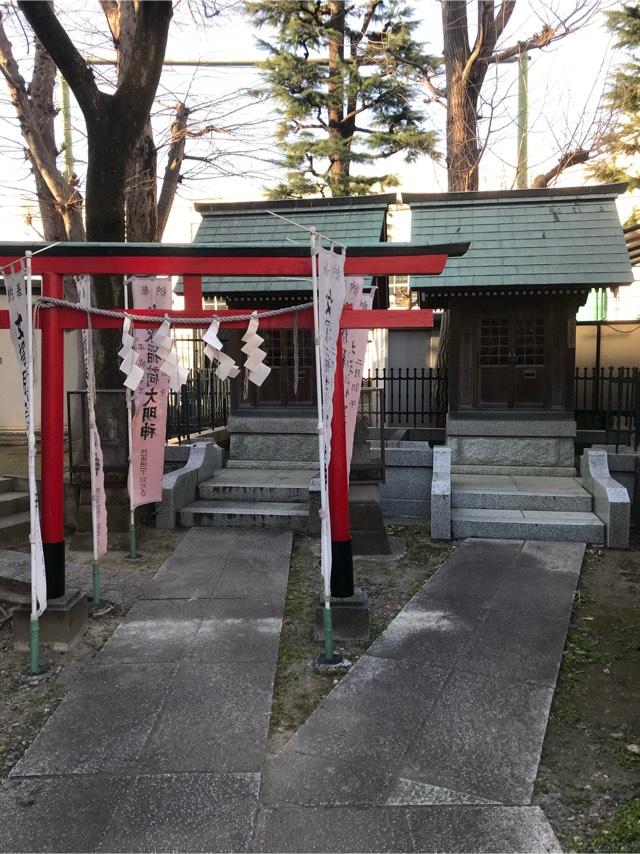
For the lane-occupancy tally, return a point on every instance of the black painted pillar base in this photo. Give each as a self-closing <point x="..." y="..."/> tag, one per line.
<point x="54" y="569"/>
<point x="341" y="569"/>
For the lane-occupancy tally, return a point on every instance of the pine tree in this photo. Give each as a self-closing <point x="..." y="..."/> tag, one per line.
<point x="621" y="141"/>
<point x="345" y="83"/>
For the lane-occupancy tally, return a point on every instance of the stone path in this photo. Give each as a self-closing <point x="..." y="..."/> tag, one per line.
<point x="160" y="744"/>
<point x="434" y="736"/>
<point x="430" y="743"/>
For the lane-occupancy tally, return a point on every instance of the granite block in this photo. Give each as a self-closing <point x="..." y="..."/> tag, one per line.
<point x="549" y="427"/>
<point x="611" y="500"/>
<point x="441" y="494"/>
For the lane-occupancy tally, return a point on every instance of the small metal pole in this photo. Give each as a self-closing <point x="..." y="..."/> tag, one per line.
<point x="34" y="645"/>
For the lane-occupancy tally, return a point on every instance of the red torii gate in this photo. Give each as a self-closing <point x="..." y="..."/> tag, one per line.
<point x="192" y="261"/>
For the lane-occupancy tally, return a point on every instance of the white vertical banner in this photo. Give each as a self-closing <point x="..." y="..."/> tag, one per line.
<point x="150" y="399"/>
<point x="331" y="298"/>
<point x="19" y="300"/>
<point x="354" y="347"/>
<point x="330" y="302"/>
<point x="96" y="463"/>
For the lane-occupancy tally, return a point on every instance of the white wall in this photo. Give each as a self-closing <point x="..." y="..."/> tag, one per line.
<point x="11" y="406"/>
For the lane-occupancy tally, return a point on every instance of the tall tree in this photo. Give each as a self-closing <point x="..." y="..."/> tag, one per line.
<point x="114" y="121"/>
<point x="467" y="59"/>
<point x="344" y="79"/>
<point x="620" y="143"/>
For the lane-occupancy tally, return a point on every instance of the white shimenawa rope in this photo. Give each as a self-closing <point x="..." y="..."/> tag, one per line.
<point x="52" y="302"/>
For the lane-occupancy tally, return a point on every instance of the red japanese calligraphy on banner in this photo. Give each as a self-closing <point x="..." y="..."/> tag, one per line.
<point x="149" y="423"/>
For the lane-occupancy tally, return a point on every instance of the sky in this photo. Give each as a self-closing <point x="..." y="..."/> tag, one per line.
<point x="565" y="84"/>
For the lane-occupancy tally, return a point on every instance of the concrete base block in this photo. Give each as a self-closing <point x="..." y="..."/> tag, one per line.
<point x="61" y="625"/>
<point x="350" y="617"/>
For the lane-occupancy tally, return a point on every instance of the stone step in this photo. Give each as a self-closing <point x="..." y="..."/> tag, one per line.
<point x="14" y="528"/>
<point x="274" y="446"/>
<point x="521" y="471"/>
<point x="527" y="525"/>
<point x="291" y="485"/>
<point x="281" y="465"/>
<point x="292" y="516"/>
<point x="6" y="484"/>
<point x="13" y="502"/>
<point x="501" y="492"/>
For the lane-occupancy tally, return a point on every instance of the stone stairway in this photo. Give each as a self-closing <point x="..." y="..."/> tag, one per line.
<point x="272" y="461"/>
<point x="14" y="512"/>
<point x="521" y="506"/>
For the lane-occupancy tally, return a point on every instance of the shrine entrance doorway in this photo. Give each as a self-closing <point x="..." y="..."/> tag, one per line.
<point x="291" y="383"/>
<point x="512" y="357"/>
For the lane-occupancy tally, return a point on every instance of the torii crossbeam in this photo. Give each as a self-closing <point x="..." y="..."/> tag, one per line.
<point x="192" y="261"/>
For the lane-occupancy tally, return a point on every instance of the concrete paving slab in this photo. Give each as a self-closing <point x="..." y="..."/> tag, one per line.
<point x="552" y="556"/>
<point x="333" y="829"/>
<point x="406" y="792"/>
<point x="547" y="593"/>
<point x="459" y="829"/>
<point x="199" y="542"/>
<point x="402" y="693"/>
<point x="156" y="630"/>
<point x="215" y="717"/>
<point x="430" y="632"/>
<point x="103" y="723"/>
<point x="187" y="577"/>
<point x="237" y="639"/>
<point x="186" y="812"/>
<point x="57" y="813"/>
<point x="303" y="779"/>
<point x="258" y="607"/>
<point x="426" y="829"/>
<point x="484" y="737"/>
<point x="502" y="646"/>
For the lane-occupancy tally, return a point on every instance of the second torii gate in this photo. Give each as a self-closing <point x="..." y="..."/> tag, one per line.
<point x="192" y="261"/>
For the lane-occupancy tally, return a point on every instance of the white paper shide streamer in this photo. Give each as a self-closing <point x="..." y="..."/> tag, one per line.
<point x="170" y="363"/>
<point x="127" y="353"/>
<point x="19" y="303"/>
<point x="213" y="351"/>
<point x="254" y="364"/>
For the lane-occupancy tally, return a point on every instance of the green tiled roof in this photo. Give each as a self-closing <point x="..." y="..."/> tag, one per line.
<point x="543" y="238"/>
<point x="354" y="221"/>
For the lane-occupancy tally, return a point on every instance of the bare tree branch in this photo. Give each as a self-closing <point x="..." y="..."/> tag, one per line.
<point x="172" y="171"/>
<point x="568" y="159"/>
<point x="64" y="53"/>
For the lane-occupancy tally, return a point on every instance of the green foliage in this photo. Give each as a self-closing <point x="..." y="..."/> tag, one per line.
<point x="621" y="140"/>
<point x="345" y="80"/>
<point x="621" y="834"/>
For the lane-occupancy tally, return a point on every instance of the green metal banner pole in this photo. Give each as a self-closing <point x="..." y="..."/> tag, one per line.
<point x="97" y="585"/>
<point x="34" y="646"/>
<point x="133" y="554"/>
<point x="328" y="632"/>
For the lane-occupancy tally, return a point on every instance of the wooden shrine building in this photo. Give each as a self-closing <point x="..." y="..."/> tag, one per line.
<point x="512" y="302"/>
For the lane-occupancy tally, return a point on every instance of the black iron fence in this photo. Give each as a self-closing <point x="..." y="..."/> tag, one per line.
<point x="609" y="399"/>
<point x="413" y="397"/>
<point x="202" y="403"/>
